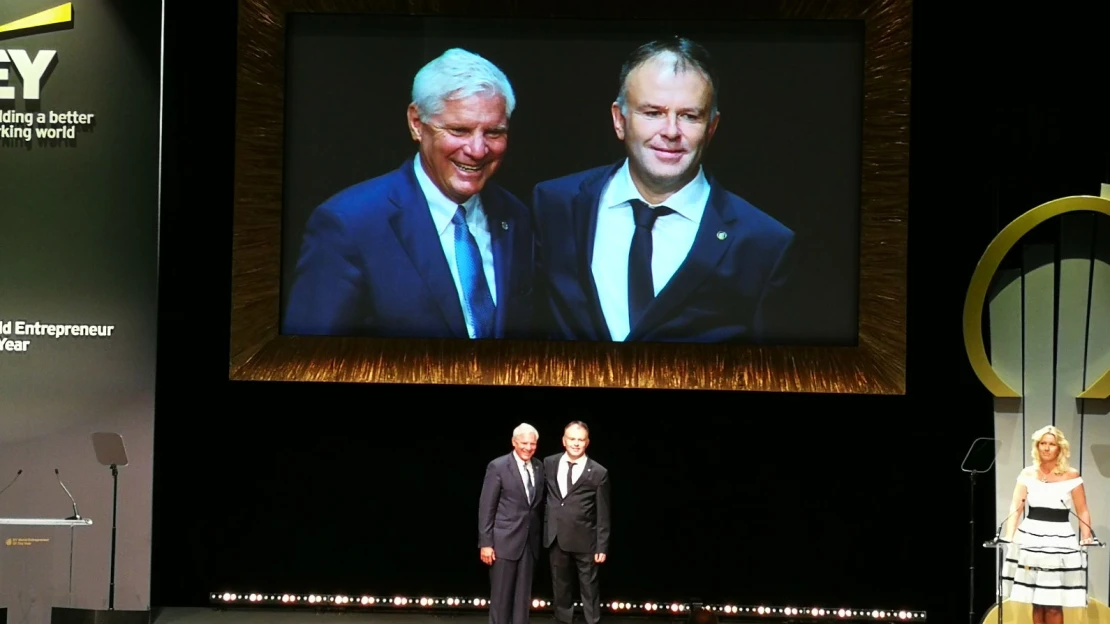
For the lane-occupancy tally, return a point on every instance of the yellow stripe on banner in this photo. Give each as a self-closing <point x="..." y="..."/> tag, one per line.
<point x="58" y="15"/>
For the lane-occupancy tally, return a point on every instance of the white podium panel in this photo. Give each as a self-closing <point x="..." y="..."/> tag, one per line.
<point x="36" y="566"/>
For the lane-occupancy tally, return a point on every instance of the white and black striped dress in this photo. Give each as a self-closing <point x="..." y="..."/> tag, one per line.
<point x="1045" y="565"/>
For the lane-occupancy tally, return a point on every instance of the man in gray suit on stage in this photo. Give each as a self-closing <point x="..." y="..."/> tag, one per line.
<point x="576" y="521"/>
<point x="509" y="524"/>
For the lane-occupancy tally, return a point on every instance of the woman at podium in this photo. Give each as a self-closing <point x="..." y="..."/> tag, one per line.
<point x="1045" y="565"/>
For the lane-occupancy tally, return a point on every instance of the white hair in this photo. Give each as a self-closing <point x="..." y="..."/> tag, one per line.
<point x="524" y="429"/>
<point x="458" y="74"/>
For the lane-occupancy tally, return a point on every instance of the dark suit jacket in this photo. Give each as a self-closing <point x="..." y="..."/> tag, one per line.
<point x="372" y="264"/>
<point x="581" y="520"/>
<point x="505" y="519"/>
<point x="730" y="288"/>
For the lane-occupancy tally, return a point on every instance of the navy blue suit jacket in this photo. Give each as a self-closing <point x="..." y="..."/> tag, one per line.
<point x="506" y="520"/>
<point x="730" y="288"/>
<point x="371" y="264"/>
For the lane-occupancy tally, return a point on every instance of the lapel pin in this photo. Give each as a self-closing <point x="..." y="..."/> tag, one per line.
<point x="504" y="225"/>
<point x="722" y="235"/>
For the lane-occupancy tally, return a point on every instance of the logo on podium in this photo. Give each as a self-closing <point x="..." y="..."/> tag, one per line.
<point x="25" y="541"/>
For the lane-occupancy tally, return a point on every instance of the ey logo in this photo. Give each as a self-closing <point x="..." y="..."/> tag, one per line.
<point x="31" y="69"/>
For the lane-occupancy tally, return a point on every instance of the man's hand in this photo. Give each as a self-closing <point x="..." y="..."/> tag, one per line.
<point x="599" y="558"/>
<point x="488" y="557"/>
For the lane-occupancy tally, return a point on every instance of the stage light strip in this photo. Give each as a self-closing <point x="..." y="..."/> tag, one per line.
<point x="405" y="602"/>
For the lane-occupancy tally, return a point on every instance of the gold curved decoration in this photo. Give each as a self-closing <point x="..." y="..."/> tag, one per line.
<point x="984" y="273"/>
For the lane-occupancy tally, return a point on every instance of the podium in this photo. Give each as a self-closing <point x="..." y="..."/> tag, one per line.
<point x="1009" y="612"/>
<point x="36" y="566"/>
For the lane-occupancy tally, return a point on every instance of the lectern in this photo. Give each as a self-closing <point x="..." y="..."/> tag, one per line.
<point x="36" y="565"/>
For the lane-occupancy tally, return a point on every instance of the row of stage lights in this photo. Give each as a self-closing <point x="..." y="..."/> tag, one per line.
<point x="402" y="602"/>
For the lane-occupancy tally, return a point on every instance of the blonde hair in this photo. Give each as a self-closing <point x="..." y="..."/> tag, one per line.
<point x="1062" y="444"/>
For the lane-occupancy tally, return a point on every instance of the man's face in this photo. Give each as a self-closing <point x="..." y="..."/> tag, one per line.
<point x="575" y="441"/>
<point x="668" y="123"/>
<point x="525" y="446"/>
<point x="462" y="147"/>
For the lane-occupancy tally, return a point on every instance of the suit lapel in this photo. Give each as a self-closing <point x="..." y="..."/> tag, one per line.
<point x="581" y="477"/>
<point x="512" y="472"/>
<point x="584" y="208"/>
<point x="537" y="466"/>
<point x="412" y="224"/>
<point x="716" y="233"/>
<point x="501" y="235"/>
<point x="551" y="467"/>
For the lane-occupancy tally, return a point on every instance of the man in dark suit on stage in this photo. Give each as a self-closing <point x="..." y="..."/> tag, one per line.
<point x="509" y="525"/>
<point x="651" y="248"/>
<point x="432" y="249"/>
<point x="576" y="524"/>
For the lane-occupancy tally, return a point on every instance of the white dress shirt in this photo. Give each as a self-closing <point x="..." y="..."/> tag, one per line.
<point x="525" y="470"/>
<point x="564" y="464"/>
<point x="443" y="210"/>
<point x="672" y="238"/>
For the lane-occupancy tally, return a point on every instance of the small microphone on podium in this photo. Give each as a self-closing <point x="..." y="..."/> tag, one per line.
<point x="998" y="533"/>
<point x="1094" y="538"/>
<point x="18" y="472"/>
<point x="76" y="516"/>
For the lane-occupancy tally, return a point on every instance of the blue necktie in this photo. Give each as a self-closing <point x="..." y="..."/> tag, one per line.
<point x="479" y="303"/>
<point x="641" y="288"/>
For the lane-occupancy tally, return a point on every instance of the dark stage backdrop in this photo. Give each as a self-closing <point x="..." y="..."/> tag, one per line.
<point x="316" y="487"/>
<point x="79" y="250"/>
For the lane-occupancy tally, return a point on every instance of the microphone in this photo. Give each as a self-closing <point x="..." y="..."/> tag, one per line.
<point x="76" y="516"/>
<point x="19" y="472"/>
<point x="998" y="533"/>
<point x="1094" y="539"/>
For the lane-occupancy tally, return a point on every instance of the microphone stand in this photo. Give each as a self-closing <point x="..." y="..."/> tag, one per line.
<point x="1001" y="561"/>
<point x="971" y="550"/>
<point x="110" y="452"/>
<point x="999" y="545"/>
<point x="1084" y="548"/>
<point x="112" y="578"/>
<point x="978" y="449"/>
<point x="76" y="516"/>
<point x="1094" y="538"/>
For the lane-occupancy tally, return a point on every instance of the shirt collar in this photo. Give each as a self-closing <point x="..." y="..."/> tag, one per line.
<point x="443" y="209"/>
<point x="689" y="201"/>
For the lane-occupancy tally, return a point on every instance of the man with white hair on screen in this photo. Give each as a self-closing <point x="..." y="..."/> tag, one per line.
<point x="509" y="524"/>
<point x="432" y="249"/>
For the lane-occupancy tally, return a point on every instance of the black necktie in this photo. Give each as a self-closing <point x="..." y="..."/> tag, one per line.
<point x="531" y="486"/>
<point x="641" y="289"/>
<point x="570" y="473"/>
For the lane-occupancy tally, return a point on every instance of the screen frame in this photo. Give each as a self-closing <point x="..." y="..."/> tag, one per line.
<point x="876" y="365"/>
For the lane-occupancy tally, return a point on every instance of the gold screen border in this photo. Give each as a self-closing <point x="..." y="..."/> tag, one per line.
<point x="877" y="365"/>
